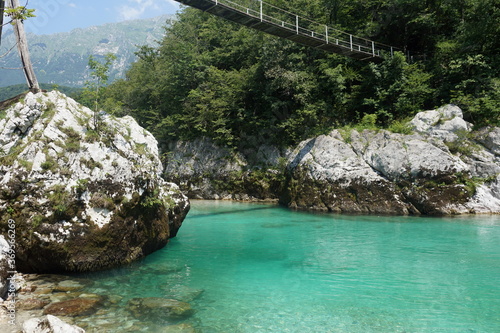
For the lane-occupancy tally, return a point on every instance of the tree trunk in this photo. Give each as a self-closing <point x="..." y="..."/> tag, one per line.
<point x="24" y="54"/>
<point x="2" y="7"/>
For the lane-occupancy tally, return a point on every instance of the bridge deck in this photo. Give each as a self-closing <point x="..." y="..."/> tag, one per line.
<point x="275" y="21"/>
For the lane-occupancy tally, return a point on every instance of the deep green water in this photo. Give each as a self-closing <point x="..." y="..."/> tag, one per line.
<point x="267" y="269"/>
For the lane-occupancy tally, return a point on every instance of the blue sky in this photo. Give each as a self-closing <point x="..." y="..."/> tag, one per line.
<point x="65" y="15"/>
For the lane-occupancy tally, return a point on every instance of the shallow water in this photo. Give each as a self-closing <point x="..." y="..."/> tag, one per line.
<point x="261" y="268"/>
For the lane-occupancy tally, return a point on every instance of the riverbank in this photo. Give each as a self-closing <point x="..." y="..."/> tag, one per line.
<point x="436" y="165"/>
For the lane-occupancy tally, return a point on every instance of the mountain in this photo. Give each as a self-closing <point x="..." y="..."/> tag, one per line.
<point x="62" y="58"/>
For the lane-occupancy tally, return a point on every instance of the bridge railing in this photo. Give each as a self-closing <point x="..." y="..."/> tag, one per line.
<point x="271" y="14"/>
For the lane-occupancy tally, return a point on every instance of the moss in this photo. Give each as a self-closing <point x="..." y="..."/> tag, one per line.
<point x="91" y="136"/>
<point x="37" y="220"/>
<point x="90" y="164"/>
<point x="71" y="133"/>
<point x="66" y="172"/>
<point x="464" y="144"/>
<point x="72" y="146"/>
<point x="12" y="156"/>
<point x="28" y="165"/>
<point x="49" y="164"/>
<point x="49" y="111"/>
<point x="81" y="186"/>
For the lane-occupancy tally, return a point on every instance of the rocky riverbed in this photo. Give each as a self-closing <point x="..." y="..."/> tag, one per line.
<point x="77" y="306"/>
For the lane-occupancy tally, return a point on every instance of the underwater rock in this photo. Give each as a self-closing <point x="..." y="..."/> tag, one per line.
<point x="74" y="307"/>
<point x="84" y="189"/>
<point x="179" y="328"/>
<point x="67" y="286"/>
<point x="31" y="304"/>
<point x="159" y="308"/>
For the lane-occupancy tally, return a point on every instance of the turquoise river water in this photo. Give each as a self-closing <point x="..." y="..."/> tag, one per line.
<point x="261" y="268"/>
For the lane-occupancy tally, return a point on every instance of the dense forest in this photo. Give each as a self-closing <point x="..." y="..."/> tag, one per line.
<point x="210" y="77"/>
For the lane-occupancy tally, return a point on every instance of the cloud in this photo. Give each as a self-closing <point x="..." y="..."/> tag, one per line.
<point x="134" y="9"/>
<point x="72" y="5"/>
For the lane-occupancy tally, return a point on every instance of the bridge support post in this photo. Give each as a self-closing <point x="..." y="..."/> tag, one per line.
<point x="261" y="12"/>
<point x="297" y="23"/>
<point x="326" y="33"/>
<point x="373" y="48"/>
<point x="350" y="39"/>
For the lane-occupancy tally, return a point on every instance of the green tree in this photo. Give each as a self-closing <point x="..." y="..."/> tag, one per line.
<point x="99" y="74"/>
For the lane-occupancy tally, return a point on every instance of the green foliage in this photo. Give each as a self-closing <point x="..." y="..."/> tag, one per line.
<point x="463" y="145"/>
<point x="49" y="164"/>
<point x="401" y="126"/>
<point x="19" y="13"/>
<point x="152" y="200"/>
<point x="81" y="186"/>
<point x="59" y="199"/>
<point x="99" y="72"/>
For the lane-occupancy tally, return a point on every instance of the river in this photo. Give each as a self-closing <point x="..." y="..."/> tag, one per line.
<point x="261" y="268"/>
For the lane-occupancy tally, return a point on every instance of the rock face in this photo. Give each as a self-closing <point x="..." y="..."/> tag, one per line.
<point x="5" y="266"/>
<point x="206" y="171"/>
<point x="85" y="191"/>
<point x="441" y="168"/>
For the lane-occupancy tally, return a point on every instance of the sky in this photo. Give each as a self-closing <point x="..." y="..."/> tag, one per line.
<point x="64" y="15"/>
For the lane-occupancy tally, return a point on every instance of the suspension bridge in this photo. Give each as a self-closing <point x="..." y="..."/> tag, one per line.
<point x="273" y="20"/>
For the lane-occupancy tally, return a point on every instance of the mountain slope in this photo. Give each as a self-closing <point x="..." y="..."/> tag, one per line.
<point x="62" y="58"/>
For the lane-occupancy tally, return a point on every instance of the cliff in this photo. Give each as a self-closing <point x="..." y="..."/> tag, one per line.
<point x="81" y="191"/>
<point x="442" y="167"/>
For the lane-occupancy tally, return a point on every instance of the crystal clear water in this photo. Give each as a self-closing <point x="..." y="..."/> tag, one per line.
<point x="264" y="268"/>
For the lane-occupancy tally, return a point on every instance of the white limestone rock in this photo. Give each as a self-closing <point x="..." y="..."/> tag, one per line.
<point x="5" y="265"/>
<point x="443" y="123"/>
<point x="398" y="156"/>
<point x="49" y="324"/>
<point x="63" y="180"/>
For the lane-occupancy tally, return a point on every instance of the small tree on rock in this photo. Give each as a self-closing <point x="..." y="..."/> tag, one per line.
<point x="100" y="75"/>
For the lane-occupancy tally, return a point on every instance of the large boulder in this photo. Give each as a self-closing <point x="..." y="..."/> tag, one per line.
<point x="325" y="173"/>
<point x="84" y="189"/>
<point x="438" y="170"/>
<point x="445" y="123"/>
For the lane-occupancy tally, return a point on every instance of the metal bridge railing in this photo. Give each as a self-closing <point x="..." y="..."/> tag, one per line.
<point x="306" y="27"/>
